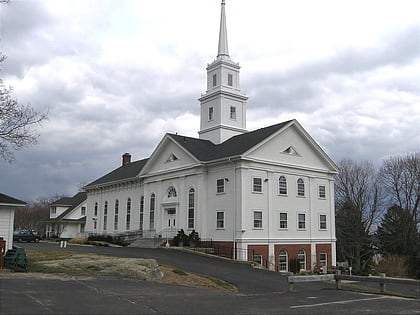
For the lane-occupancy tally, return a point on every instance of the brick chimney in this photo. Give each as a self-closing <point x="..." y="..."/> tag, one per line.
<point x="126" y="158"/>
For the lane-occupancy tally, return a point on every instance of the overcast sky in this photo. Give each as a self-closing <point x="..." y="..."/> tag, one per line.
<point x="115" y="76"/>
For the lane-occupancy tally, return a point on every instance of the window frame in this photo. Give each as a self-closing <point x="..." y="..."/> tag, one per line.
<point x="302" y="262"/>
<point x="116" y="214"/>
<point x="152" y="208"/>
<point x="211" y="113"/>
<point x="299" y="221"/>
<point x="322" y="262"/>
<point x="220" y="188"/>
<point x="105" y="215"/>
<point x="283" y="221"/>
<point x="95" y="211"/>
<point x="230" y="79"/>
<point x="191" y="209"/>
<point x="321" y="222"/>
<point x="322" y="195"/>
<point x="257" y="185"/>
<point x="128" y="214"/>
<point x="232" y="113"/>
<point x="257" y="223"/>
<point x="283" y="253"/>
<point x="222" y="220"/>
<point x="83" y="211"/>
<point x="300" y="188"/>
<point x="141" y="213"/>
<point x="214" y="78"/>
<point x="280" y="183"/>
<point x="258" y="258"/>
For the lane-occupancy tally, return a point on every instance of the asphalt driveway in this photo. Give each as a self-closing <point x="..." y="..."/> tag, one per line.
<point x="260" y="291"/>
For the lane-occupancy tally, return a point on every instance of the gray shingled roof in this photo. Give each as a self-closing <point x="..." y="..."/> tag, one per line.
<point x="205" y="150"/>
<point x="73" y="202"/>
<point x="10" y="200"/>
<point x="202" y="150"/>
<point x="129" y="170"/>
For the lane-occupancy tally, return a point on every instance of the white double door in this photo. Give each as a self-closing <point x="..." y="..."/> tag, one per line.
<point x="170" y="218"/>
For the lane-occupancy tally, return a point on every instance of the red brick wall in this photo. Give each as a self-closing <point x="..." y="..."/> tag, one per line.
<point x="258" y="250"/>
<point x="292" y="251"/>
<point x="224" y="249"/>
<point x="324" y="248"/>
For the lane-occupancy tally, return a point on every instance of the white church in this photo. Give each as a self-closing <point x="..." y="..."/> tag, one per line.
<point x="267" y="195"/>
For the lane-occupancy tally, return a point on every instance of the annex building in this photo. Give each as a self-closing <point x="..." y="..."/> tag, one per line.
<point x="267" y="195"/>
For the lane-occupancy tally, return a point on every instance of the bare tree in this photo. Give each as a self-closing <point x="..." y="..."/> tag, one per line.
<point x="400" y="176"/>
<point x="17" y="122"/>
<point x="359" y="184"/>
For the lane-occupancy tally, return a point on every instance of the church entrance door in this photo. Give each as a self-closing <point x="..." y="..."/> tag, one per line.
<point x="170" y="218"/>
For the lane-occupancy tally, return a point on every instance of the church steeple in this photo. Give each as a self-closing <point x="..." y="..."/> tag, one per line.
<point x="223" y="41"/>
<point x="223" y="106"/>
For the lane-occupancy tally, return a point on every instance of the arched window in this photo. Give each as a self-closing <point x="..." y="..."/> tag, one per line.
<point x="152" y="211"/>
<point x="141" y="213"/>
<point x="105" y="214"/>
<point x="171" y="192"/>
<point x="300" y="187"/>
<point x="96" y="209"/>
<point x="116" y="214"/>
<point x="127" y="224"/>
<point x="282" y="185"/>
<point x="302" y="259"/>
<point x="191" y="208"/>
<point x="283" y="260"/>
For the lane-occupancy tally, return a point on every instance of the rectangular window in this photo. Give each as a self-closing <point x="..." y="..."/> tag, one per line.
<point x="258" y="220"/>
<point x="152" y="212"/>
<point x="258" y="259"/>
<point x="283" y="220"/>
<point x="257" y="184"/>
<point x="230" y="79"/>
<point x="282" y="185"/>
<point x="141" y="213"/>
<point x="214" y="80"/>
<point x="83" y="211"/>
<point x="96" y="210"/>
<point x="53" y="210"/>
<point x="220" y="219"/>
<point x="301" y="221"/>
<point x="191" y="206"/>
<point x="82" y="228"/>
<point x="323" y="259"/>
<point x="233" y="112"/>
<point x="321" y="191"/>
<point x="95" y="225"/>
<point x="322" y="221"/>
<point x="220" y="186"/>
<point x="211" y="114"/>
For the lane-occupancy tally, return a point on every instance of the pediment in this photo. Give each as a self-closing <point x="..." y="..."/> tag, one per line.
<point x="167" y="156"/>
<point x="294" y="146"/>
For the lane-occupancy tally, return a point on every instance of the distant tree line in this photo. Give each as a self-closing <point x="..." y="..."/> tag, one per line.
<point x="377" y="213"/>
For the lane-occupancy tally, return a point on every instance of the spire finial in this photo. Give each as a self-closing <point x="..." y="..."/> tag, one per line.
<point x="223" y="42"/>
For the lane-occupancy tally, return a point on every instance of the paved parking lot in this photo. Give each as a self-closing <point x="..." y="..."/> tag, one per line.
<point x="260" y="291"/>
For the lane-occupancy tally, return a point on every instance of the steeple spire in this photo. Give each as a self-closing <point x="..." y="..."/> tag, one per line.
<point x="223" y="42"/>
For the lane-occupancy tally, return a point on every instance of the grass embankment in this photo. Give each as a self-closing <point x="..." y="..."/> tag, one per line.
<point x="52" y="262"/>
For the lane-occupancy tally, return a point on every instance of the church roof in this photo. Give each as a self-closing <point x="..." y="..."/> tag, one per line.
<point x="129" y="170"/>
<point x="202" y="150"/>
<point x="205" y="150"/>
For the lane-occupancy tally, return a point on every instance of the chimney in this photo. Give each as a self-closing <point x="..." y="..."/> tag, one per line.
<point x="126" y="158"/>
